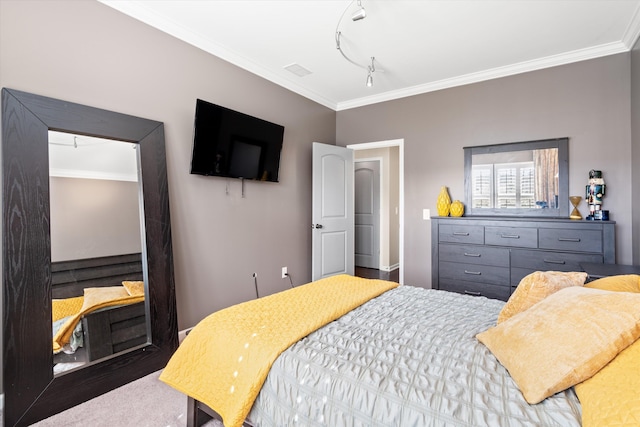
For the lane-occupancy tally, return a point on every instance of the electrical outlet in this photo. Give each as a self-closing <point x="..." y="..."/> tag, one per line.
<point x="284" y="272"/>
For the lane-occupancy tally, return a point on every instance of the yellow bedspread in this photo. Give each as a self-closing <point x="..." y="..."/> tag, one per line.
<point x="93" y="299"/>
<point x="225" y="359"/>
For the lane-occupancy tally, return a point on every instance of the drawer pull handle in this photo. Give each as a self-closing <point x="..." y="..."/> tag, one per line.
<point x="475" y="273"/>
<point x="554" y="261"/>
<point x="472" y="255"/>
<point x="567" y="239"/>
<point x="475" y="294"/>
<point x="460" y="233"/>
<point x="510" y="236"/>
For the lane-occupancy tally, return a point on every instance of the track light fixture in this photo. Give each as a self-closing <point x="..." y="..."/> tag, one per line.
<point x="357" y="16"/>
<point x="360" y="13"/>
<point x="372" y="69"/>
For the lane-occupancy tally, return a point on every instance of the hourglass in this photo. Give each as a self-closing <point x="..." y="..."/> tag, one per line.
<point x="575" y="201"/>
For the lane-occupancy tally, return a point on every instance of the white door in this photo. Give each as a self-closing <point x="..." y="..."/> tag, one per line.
<point x="367" y="214"/>
<point x="332" y="217"/>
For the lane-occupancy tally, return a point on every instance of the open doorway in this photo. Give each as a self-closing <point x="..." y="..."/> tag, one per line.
<point x="390" y="236"/>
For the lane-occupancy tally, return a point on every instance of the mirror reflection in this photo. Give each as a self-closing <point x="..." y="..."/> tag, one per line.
<point x="517" y="179"/>
<point x="529" y="178"/>
<point x="96" y="249"/>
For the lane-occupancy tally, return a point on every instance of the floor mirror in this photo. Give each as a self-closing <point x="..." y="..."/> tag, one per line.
<point x="39" y="272"/>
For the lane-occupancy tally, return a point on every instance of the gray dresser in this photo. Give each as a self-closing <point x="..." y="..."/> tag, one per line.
<point x="490" y="255"/>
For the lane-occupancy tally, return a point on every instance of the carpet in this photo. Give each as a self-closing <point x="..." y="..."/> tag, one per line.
<point x="147" y="402"/>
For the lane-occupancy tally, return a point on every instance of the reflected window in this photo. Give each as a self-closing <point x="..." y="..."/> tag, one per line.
<point x="504" y="186"/>
<point x="526" y="178"/>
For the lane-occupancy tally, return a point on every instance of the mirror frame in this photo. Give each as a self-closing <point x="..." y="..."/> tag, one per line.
<point x="562" y="144"/>
<point x="31" y="391"/>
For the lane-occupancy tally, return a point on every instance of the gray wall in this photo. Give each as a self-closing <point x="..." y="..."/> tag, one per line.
<point x="589" y="102"/>
<point x="86" y="52"/>
<point x="635" y="135"/>
<point x="93" y="218"/>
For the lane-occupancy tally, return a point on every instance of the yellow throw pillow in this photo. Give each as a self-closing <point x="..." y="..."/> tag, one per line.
<point x="535" y="287"/>
<point x="612" y="396"/>
<point x="621" y="283"/>
<point x="135" y="289"/>
<point x="564" y="339"/>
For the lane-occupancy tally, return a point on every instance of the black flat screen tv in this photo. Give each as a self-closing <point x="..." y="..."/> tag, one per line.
<point x="230" y="144"/>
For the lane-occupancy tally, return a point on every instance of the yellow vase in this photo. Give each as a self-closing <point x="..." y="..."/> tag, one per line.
<point x="444" y="202"/>
<point x="457" y="208"/>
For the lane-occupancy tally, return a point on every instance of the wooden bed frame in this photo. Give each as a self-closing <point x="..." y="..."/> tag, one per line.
<point x="198" y="413"/>
<point x="107" y="331"/>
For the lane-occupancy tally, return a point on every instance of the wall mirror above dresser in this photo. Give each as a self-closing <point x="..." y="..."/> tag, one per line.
<point x="518" y="179"/>
<point x="516" y="222"/>
<point x="39" y="266"/>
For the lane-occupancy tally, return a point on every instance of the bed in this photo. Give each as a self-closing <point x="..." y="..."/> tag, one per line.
<point x="107" y="316"/>
<point x="407" y="356"/>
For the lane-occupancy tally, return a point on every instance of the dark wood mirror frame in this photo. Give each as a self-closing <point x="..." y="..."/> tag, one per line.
<point x="562" y="144"/>
<point x="31" y="391"/>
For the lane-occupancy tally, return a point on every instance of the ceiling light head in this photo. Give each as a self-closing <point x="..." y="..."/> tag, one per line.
<point x="360" y="13"/>
<point x="369" y="80"/>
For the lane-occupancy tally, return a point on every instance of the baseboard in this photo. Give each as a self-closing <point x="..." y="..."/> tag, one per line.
<point x="389" y="268"/>
<point x="183" y="334"/>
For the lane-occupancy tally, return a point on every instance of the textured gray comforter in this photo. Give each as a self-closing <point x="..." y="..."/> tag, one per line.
<point x="406" y="358"/>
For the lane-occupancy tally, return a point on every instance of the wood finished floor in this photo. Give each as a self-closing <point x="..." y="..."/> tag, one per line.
<point x="372" y="273"/>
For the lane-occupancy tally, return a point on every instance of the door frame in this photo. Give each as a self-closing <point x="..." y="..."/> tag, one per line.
<point x="400" y="144"/>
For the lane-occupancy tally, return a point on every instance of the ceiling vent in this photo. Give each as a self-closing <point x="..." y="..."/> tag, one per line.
<point x="298" y="70"/>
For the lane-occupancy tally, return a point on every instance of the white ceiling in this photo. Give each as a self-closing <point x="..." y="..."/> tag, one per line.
<point x="79" y="156"/>
<point x="422" y="45"/>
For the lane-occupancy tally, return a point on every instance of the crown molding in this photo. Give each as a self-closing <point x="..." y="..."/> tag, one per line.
<point x="137" y="10"/>
<point x="632" y="32"/>
<point x="510" y="70"/>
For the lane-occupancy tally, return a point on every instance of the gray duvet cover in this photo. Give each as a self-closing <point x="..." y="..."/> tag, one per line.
<point x="406" y="358"/>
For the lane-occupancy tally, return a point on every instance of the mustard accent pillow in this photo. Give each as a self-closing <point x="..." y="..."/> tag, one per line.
<point x="621" y="283"/>
<point x="564" y="339"/>
<point x="135" y="289"/>
<point x="535" y="287"/>
<point x="612" y="396"/>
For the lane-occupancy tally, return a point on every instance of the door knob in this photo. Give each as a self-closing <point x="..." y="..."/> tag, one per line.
<point x="316" y="226"/>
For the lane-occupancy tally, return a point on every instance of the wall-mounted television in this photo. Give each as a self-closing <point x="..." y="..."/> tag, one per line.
<point x="231" y="144"/>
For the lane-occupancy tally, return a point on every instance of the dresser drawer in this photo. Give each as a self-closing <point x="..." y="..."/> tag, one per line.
<point x="454" y="233"/>
<point x="470" y="254"/>
<point x="474" y="272"/>
<point x="511" y="236"/>
<point x="570" y="240"/>
<point x="547" y="260"/>
<point x="519" y="273"/>
<point x="476" y="289"/>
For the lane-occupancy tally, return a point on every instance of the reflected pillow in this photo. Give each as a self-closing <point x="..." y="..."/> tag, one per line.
<point x="621" y="283"/>
<point x="135" y="288"/>
<point x="564" y="339"/>
<point x="535" y="287"/>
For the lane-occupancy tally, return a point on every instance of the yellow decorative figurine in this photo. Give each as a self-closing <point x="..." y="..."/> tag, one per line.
<point x="457" y="208"/>
<point x="444" y="202"/>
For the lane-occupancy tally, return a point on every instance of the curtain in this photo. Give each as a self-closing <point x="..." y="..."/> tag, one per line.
<point x="546" y="185"/>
